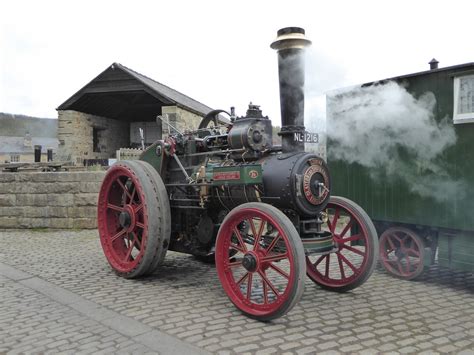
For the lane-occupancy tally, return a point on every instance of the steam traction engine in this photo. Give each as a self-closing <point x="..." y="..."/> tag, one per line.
<point x="264" y="212"/>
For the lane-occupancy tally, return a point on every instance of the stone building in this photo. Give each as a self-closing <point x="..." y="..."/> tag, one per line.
<point x="19" y="134"/>
<point x="106" y="114"/>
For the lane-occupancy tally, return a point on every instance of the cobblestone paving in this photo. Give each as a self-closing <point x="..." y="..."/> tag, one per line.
<point x="184" y="299"/>
<point x="31" y="322"/>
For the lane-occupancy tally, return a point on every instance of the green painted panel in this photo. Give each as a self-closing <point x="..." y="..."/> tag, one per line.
<point x="150" y="156"/>
<point x="390" y="199"/>
<point x="237" y="175"/>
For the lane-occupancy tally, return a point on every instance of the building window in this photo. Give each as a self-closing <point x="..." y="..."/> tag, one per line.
<point x="14" y="158"/>
<point x="463" y="99"/>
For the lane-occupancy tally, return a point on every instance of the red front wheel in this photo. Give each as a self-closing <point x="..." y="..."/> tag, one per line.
<point x="356" y="243"/>
<point x="260" y="261"/>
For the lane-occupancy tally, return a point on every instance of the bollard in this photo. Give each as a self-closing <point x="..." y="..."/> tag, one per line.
<point x="37" y="153"/>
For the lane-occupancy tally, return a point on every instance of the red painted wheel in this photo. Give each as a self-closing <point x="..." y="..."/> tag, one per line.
<point x="402" y="253"/>
<point x="356" y="241"/>
<point x="133" y="218"/>
<point x="164" y="215"/>
<point x="260" y="261"/>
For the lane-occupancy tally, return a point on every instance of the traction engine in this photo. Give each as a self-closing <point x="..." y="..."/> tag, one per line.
<point x="224" y="192"/>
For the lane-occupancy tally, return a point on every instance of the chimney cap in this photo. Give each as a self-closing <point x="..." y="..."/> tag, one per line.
<point x="290" y="37"/>
<point x="288" y="30"/>
<point x="433" y="64"/>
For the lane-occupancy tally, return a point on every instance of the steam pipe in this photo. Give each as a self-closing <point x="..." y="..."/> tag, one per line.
<point x="290" y="44"/>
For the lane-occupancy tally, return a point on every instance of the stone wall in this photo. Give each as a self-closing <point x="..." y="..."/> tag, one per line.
<point x="181" y="119"/>
<point x="75" y="134"/>
<point x="59" y="200"/>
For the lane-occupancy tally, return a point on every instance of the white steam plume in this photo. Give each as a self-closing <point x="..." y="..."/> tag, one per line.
<point x="379" y="126"/>
<point x="322" y="73"/>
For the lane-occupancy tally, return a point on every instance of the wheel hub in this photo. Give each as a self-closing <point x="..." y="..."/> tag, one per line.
<point x="249" y="262"/>
<point x="127" y="218"/>
<point x="399" y="254"/>
<point x="124" y="219"/>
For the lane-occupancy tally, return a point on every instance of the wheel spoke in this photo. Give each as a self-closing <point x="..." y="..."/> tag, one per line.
<point x="140" y="225"/>
<point x="236" y="247"/>
<point x="138" y="208"/>
<point x="329" y="225"/>
<point x="348" y="263"/>
<point x="321" y="258"/>
<point x="398" y="238"/>
<point x="132" y="198"/>
<point x="351" y="238"/>
<point x="389" y="240"/>
<point x="239" y="238"/>
<point x="139" y="244"/>
<point x="326" y="271"/>
<point x="408" y="263"/>
<point x="400" y="268"/>
<point x="124" y="188"/>
<point x="273" y="243"/>
<point x="341" y="267"/>
<point x="129" y="252"/>
<point x="335" y="219"/>
<point x="346" y="228"/>
<point x="269" y="284"/>
<point x="111" y="206"/>
<point x="265" y="292"/>
<point x="249" y="286"/>
<point x="354" y="250"/>
<point x="395" y="264"/>
<point x="252" y="227"/>
<point x="275" y="257"/>
<point x="242" y="279"/>
<point x="280" y="271"/>
<point x="118" y="235"/>
<point x="406" y="240"/>
<point x="259" y="234"/>
<point x="235" y="263"/>
<point x="415" y="252"/>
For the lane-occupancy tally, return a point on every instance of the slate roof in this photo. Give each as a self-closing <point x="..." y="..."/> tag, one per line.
<point x="173" y="95"/>
<point x="122" y="93"/>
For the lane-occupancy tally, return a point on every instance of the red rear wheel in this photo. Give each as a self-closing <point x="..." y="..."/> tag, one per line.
<point x="131" y="226"/>
<point x="402" y="253"/>
<point x="356" y="241"/>
<point x="260" y="261"/>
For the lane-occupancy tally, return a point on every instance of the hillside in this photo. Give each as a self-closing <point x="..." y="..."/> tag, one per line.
<point x="13" y="125"/>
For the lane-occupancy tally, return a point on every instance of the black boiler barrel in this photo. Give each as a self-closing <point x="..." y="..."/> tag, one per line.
<point x="290" y="44"/>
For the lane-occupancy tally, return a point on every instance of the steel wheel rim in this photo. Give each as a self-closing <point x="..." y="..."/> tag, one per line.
<point x="401" y="253"/>
<point x="348" y="263"/>
<point x="262" y="291"/>
<point x="123" y="239"/>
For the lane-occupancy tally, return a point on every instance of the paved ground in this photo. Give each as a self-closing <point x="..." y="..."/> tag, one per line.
<point x="58" y="294"/>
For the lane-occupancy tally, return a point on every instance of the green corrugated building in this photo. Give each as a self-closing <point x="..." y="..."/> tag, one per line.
<point x="403" y="148"/>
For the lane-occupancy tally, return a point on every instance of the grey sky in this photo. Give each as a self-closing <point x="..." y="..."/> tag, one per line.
<point x="218" y="51"/>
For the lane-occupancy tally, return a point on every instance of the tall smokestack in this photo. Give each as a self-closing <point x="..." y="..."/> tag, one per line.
<point x="290" y="44"/>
